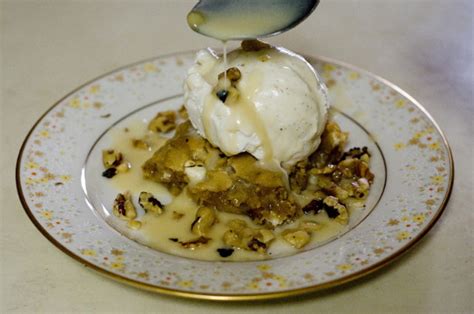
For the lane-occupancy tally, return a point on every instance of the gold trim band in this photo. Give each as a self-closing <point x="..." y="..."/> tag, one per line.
<point x="244" y="297"/>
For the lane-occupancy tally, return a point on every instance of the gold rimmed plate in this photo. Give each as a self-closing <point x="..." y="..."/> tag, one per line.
<point x="414" y="175"/>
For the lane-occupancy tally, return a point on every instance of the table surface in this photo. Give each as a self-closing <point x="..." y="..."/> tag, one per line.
<point x="49" y="48"/>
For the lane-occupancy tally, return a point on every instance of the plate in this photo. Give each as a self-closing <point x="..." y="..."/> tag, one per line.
<point x="66" y="202"/>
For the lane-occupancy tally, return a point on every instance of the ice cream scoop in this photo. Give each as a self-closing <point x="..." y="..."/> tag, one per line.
<point x="266" y="101"/>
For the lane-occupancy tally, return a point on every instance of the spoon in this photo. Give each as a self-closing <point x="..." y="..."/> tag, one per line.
<point x="248" y="19"/>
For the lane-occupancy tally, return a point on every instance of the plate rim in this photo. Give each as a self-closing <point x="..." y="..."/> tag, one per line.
<point x="249" y="296"/>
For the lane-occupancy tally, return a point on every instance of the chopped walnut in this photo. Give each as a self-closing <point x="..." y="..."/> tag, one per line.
<point x="331" y="206"/>
<point x="111" y="157"/>
<point x="109" y="173"/>
<point x="141" y="144"/>
<point x="256" y="245"/>
<point x="163" y="122"/>
<point x="264" y="235"/>
<point x="356" y="152"/>
<point x="296" y="237"/>
<point x="232" y="95"/>
<point x="233" y="74"/>
<point x="342" y="216"/>
<point x="123" y="167"/>
<point x="177" y="215"/>
<point x="227" y="92"/>
<point x="241" y="236"/>
<point x="183" y="113"/>
<point x="205" y="219"/>
<point x="134" y="224"/>
<point x="114" y="163"/>
<point x="352" y="167"/>
<point x="254" y="45"/>
<point x="362" y="187"/>
<point x="226" y="89"/>
<point x="123" y="207"/>
<point x="149" y="203"/>
<point x="195" y="243"/>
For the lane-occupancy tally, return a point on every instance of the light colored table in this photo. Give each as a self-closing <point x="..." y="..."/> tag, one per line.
<point x="425" y="46"/>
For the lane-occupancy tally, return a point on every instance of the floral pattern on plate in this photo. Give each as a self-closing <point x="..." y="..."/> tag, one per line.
<point x="419" y="180"/>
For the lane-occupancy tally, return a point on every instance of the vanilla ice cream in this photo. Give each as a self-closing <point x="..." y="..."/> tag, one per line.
<point x="276" y="110"/>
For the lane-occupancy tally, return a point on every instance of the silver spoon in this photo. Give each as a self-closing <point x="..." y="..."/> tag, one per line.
<point x="248" y="19"/>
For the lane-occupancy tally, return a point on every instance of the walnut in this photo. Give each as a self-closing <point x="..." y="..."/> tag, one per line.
<point x="331" y="206"/>
<point x="205" y="219"/>
<point x="296" y="237"/>
<point x="123" y="207"/>
<point x="342" y="214"/>
<point x="177" y="215"/>
<point x="163" y="122"/>
<point x="109" y="173"/>
<point x="183" y="113"/>
<point x="149" y="203"/>
<point x="141" y="144"/>
<point x="356" y="152"/>
<point x="254" y="45"/>
<point x="241" y="236"/>
<point x="226" y="89"/>
<point x="134" y="224"/>
<point x="123" y="167"/>
<point x="233" y="74"/>
<point x="195" y="243"/>
<point x="111" y="157"/>
<point x="114" y="163"/>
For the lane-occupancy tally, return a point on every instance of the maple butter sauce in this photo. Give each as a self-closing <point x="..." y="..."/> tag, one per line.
<point x="162" y="232"/>
<point x="244" y="19"/>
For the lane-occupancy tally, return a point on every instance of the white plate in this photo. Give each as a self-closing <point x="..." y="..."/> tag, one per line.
<point x="412" y="164"/>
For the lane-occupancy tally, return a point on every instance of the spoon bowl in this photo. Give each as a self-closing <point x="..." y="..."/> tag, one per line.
<point x="248" y="19"/>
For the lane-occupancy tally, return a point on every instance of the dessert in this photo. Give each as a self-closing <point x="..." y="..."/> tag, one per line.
<point x="253" y="160"/>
